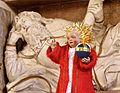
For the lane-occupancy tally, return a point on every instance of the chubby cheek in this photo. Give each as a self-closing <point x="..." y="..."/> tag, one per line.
<point x="75" y="42"/>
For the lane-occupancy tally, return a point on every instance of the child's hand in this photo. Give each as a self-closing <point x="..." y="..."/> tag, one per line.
<point x="53" y="44"/>
<point x="86" y="60"/>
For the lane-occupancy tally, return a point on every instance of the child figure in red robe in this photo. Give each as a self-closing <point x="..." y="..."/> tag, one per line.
<point x="75" y="73"/>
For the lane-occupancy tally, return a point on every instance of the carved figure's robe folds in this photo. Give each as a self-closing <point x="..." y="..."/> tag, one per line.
<point x="30" y="70"/>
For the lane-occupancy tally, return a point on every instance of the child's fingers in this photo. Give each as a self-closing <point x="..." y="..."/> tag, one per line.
<point x="83" y="59"/>
<point x="53" y="40"/>
<point x="53" y="44"/>
<point x="86" y="60"/>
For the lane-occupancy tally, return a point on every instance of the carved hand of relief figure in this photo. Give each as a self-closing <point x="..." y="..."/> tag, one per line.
<point x="97" y="10"/>
<point x="13" y="37"/>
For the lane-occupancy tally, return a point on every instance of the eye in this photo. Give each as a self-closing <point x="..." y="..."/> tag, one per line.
<point x="68" y="38"/>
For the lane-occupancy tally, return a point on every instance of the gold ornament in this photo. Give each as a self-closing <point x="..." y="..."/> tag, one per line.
<point x="84" y="32"/>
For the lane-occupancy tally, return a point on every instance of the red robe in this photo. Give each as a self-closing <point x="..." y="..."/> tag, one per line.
<point x="82" y="73"/>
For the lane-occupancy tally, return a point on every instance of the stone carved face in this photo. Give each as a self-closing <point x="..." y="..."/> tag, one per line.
<point x="37" y="35"/>
<point x="33" y="31"/>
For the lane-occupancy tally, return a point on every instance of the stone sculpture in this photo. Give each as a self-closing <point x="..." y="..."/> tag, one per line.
<point x="25" y="70"/>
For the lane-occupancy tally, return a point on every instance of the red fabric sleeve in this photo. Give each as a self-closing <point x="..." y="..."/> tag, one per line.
<point x="92" y="63"/>
<point x="54" y="55"/>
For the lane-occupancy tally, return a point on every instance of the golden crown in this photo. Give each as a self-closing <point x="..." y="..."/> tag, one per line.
<point x="84" y="31"/>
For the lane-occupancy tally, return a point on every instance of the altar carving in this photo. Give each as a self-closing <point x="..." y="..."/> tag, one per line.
<point x="106" y="43"/>
<point x="27" y="69"/>
<point x="30" y="70"/>
<point x="106" y="72"/>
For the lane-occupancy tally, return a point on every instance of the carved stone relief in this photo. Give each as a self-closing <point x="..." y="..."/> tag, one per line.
<point x="4" y="22"/>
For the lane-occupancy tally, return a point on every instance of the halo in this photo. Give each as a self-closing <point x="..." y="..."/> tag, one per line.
<point x="85" y="34"/>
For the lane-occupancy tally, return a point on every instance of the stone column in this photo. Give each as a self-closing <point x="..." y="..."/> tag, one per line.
<point x="4" y="23"/>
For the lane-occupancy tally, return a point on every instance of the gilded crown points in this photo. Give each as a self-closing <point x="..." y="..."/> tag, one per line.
<point x="84" y="31"/>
